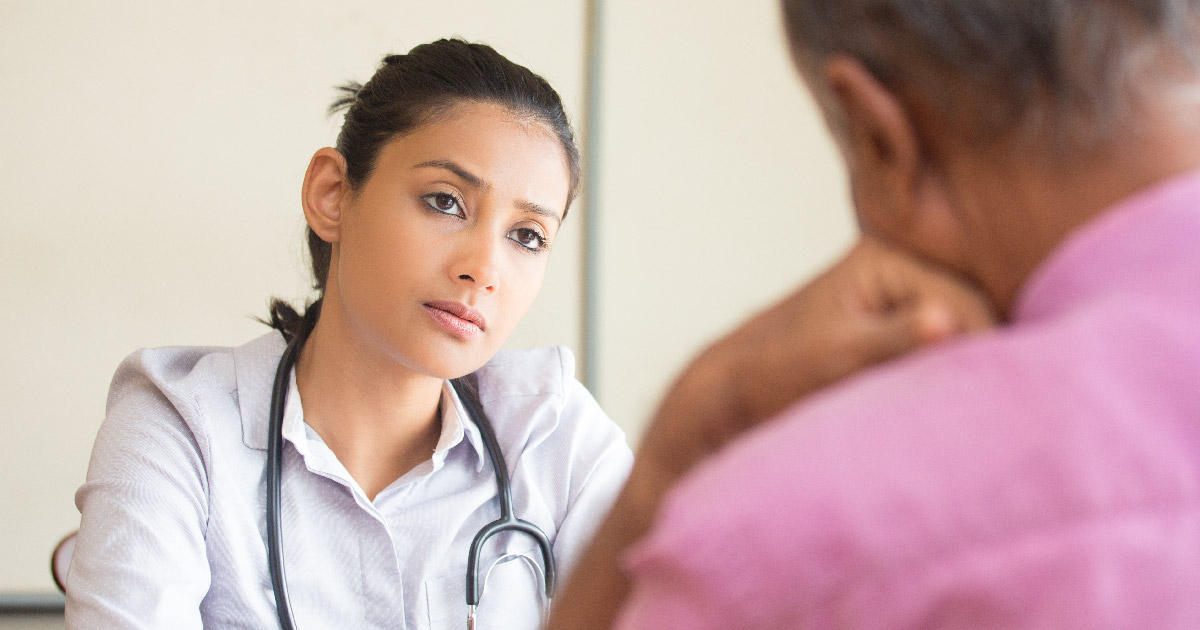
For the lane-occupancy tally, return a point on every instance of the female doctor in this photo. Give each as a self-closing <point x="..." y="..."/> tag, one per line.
<point x="430" y="227"/>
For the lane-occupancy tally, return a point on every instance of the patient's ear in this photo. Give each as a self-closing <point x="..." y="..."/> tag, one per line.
<point x="325" y="193"/>
<point x="900" y="192"/>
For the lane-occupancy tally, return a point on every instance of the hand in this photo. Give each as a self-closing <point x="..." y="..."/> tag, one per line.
<point x="873" y="305"/>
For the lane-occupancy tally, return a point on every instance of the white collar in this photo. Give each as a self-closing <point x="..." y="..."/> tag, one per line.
<point x="256" y="363"/>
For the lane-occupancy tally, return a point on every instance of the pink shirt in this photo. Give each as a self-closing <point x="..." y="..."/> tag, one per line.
<point x="1046" y="475"/>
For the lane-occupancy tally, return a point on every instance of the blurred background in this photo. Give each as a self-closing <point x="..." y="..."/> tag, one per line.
<point x="152" y="155"/>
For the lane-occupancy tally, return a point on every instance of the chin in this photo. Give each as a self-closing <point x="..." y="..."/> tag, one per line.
<point x="449" y="364"/>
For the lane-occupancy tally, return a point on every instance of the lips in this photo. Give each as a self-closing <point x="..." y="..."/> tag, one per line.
<point x="456" y="318"/>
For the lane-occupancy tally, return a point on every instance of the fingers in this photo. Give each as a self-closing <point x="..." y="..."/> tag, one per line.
<point x="933" y="323"/>
<point x="940" y="303"/>
<point x="885" y="304"/>
<point x="907" y="329"/>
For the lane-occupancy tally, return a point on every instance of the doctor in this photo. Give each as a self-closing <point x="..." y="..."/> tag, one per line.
<point x="430" y="228"/>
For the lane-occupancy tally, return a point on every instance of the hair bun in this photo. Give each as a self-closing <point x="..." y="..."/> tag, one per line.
<point x="347" y="95"/>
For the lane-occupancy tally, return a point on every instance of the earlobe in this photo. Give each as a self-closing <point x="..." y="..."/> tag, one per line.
<point x="325" y="192"/>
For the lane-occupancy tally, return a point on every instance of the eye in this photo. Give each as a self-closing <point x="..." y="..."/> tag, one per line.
<point x="529" y="238"/>
<point x="445" y="203"/>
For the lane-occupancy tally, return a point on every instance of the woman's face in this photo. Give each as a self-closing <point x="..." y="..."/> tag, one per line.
<point x="444" y="246"/>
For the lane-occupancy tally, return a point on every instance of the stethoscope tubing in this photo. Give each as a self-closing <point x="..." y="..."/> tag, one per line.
<point x="279" y="392"/>
<point x="466" y="389"/>
<point x="508" y="520"/>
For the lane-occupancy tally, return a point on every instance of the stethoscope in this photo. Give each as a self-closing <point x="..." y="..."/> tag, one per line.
<point x="465" y="389"/>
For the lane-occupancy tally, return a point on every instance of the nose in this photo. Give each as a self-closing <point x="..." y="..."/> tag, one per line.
<point x="479" y="265"/>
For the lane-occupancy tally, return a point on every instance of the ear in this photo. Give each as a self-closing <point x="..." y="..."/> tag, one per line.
<point x="325" y="192"/>
<point x="900" y="193"/>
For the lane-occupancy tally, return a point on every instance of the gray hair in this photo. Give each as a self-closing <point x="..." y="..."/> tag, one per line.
<point x="1077" y="69"/>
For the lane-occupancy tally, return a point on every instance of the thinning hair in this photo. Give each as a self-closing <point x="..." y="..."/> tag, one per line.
<point x="1069" y="71"/>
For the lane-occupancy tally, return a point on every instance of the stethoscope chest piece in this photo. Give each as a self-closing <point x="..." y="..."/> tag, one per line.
<point x="466" y="388"/>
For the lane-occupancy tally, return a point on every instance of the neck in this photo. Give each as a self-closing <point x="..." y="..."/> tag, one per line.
<point x="1026" y="207"/>
<point x="378" y="417"/>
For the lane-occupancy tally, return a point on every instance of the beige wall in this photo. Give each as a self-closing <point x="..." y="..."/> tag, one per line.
<point x="719" y="189"/>
<point x="152" y="154"/>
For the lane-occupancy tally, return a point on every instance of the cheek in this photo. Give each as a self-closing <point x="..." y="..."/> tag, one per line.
<point x="864" y="206"/>
<point x="379" y="261"/>
<point x="874" y="210"/>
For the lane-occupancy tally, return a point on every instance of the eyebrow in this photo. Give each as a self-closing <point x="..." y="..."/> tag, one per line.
<point x="474" y="180"/>
<point x="529" y="206"/>
<point x="477" y="182"/>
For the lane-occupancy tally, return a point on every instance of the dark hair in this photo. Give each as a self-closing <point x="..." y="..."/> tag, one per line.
<point x="408" y="91"/>
<point x="1069" y="67"/>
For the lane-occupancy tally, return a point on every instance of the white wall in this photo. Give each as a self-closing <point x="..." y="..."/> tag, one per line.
<point x="152" y="154"/>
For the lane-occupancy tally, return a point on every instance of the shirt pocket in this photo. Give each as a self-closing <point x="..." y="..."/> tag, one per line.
<point x="513" y="596"/>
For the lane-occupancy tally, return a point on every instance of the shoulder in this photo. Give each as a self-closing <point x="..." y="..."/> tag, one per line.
<point x="905" y="469"/>
<point x="535" y="401"/>
<point x="177" y="388"/>
<point x="540" y="383"/>
<point x="856" y="442"/>
<point x="152" y="380"/>
<point x="536" y="388"/>
<point x="546" y="371"/>
<point x="179" y="371"/>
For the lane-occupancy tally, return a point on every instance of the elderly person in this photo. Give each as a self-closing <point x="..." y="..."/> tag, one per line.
<point x="1043" y="474"/>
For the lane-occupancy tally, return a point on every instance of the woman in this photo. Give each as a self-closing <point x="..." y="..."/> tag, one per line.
<point x="430" y="226"/>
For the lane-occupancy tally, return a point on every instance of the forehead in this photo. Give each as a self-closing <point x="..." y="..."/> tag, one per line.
<point x="514" y="153"/>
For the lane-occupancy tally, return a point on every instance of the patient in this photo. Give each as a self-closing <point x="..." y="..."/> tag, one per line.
<point x="1045" y="474"/>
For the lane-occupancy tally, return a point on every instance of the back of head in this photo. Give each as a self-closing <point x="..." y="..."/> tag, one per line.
<point x="1072" y="71"/>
